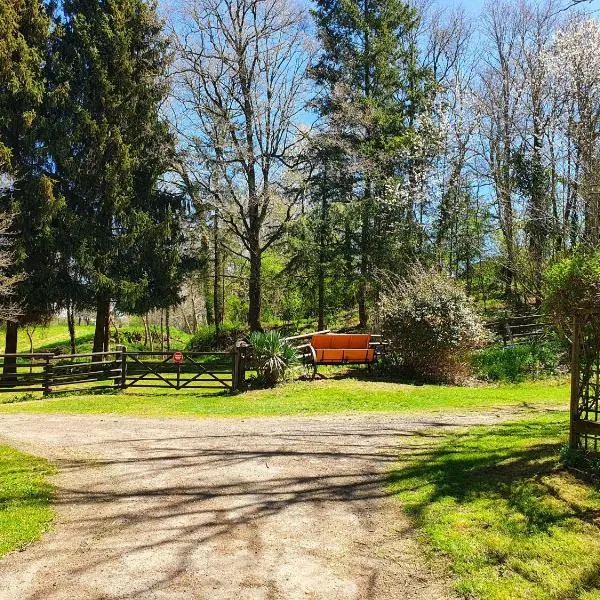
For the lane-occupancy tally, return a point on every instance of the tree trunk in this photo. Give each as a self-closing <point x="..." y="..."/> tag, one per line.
<point x="162" y="332"/>
<point x="365" y="247"/>
<point x="144" y="321"/>
<point x="321" y="269"/>
<point x="538" y="209"/>
<point x="168" y="328"/>
<point x="254" y="289"/>
<point x="99" y="331"/>
<point x="71" y="326"/>
<point x="10" y="347"/>
<point x="194" y="315"/>
<point x="217" y="306"/>
<point x="149" y="333"/>
<point x="106" y="340"/>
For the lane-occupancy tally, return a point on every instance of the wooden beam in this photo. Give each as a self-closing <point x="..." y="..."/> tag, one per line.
<point x="574" y="404"/>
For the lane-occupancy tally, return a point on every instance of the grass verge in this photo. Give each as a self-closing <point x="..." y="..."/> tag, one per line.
<point x="25" y="495"/>
<point x="297" y="398"/>
<point x="511" y="523"/>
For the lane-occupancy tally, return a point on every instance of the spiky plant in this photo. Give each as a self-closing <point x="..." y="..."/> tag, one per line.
<point x="272" y="355"/>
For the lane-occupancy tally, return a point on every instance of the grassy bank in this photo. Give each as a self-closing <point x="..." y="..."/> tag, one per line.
<point x="25" y="494"/>
<point x="55" y="338"/>
<point x="494" y="503"/>
<point x="303" y="397"/>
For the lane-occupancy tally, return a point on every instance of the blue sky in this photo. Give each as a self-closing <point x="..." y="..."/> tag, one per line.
<point x="472" y="7"/>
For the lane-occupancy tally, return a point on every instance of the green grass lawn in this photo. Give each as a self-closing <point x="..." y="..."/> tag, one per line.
<point x="25" y="494"/>
<point x="302" y="397"/>
<point x="494" y="503"/>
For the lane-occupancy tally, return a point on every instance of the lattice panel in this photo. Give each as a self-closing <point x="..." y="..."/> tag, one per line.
<point x="588" y="385"/>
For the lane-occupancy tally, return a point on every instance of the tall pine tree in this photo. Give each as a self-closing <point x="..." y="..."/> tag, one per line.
<point x="112" y="148"/>
<point x="25" y="190"/>
<point x="374" y="90"/>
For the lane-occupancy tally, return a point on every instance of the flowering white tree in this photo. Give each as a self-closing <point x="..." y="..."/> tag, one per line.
<point x="573" y="63"/>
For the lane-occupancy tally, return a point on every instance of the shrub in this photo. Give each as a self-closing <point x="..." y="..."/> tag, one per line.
<point x="271" y="355"/>
<point x="205" y="339"/>
<point x="516" y="363"/>
<point x="430" y="323"/>
<point x="572" y="284"/>
<point x="581" y="460"/>
<point x="128" y="336"/>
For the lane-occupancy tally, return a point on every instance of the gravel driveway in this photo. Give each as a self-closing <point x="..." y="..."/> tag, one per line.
<point x="235" y="509"/>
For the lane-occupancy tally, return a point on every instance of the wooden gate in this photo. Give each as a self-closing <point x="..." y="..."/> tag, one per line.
<point x="178" y="370"/>
<point x="122" y="369"/>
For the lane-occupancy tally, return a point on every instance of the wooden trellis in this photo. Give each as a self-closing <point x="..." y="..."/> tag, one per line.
<point x="585" y="382"/>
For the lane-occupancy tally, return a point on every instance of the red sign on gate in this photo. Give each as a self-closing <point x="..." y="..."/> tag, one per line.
<point x="177" y="357"/>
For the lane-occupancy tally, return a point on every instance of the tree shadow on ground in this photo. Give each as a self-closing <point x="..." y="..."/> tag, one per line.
<point x="180" y="492"/>
<point x="514" y="469"/>
<point x="362" y="374"/>
<point x="481" y="469"/>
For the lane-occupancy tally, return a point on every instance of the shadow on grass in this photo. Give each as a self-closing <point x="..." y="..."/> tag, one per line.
<point x="362" y="373"/>
<point x="503" y="483"/>
<point x="505" y="463"/>
<point x="497" y="498"/>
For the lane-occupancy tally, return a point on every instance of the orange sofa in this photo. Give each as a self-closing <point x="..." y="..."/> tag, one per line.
<point x="340" y="349"/>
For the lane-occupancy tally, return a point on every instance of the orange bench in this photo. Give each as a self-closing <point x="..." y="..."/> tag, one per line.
<point x="340" y="349"/>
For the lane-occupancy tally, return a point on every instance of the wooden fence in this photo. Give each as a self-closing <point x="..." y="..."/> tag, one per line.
<point x="521" y="329"/>
<point x="45" y="372"/>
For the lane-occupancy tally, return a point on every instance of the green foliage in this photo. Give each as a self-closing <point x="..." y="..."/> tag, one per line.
<point x="121" y="232"/>
<point x="25" y="190"/>
<point x="376" y="98"/>
<point x="271" y="355"/>
<point x="582" y="460"/>
<point x="492" y="501"/>
<point x="24" y="25"/>
<point x="571" y="284"/>
<point x="517" y="363"/>
<point x="127" y="336"/>
<point x="206" y="338"/>
<point x="430" y="322"/>
<point x="25" y="495"/>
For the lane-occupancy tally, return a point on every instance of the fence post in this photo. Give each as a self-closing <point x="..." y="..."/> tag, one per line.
<point x="47" y="375"/>
<point x="239" y="366"/>
<point x="575" y="383"/>
<point x="122" y="360"/>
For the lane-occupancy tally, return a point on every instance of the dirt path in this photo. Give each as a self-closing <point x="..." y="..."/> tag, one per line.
<point x="235" y="509"/>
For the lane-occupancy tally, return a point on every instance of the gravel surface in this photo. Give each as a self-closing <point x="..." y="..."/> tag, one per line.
<point x="224" y="509"/>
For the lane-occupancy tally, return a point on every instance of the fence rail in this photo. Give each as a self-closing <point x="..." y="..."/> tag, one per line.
<point x="43" y="372"/>
<point x="521" y="329"/>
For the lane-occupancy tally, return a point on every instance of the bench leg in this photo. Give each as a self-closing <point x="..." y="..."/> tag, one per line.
<point x="314" y="371"/>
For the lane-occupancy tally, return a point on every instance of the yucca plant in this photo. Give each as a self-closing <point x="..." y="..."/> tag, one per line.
<point x="272" y="355"/>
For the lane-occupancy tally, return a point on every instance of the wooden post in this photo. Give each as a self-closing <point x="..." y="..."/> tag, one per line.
<point x="239" y="367"/>
<point x="47" y="375"/>
<point x="575" y="370"/>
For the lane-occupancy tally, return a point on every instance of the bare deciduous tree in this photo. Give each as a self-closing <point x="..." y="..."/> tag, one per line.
<point x="238" y="102"/>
